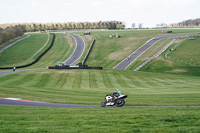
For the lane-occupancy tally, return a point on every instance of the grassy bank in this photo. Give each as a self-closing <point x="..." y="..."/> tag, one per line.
<point x="23" y="51"/>
<point x="42" y="119"/>
<point x="90" y="87"/>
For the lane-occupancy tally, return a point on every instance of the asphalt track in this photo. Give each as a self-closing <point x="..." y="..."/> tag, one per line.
<point x="9" y="72"/>
<point x="6" y="102"/>
<point x="38" y="104"/>
<point x="131" y="58"/>
<point x="80" y="46"/>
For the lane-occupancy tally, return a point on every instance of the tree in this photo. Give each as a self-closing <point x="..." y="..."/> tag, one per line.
<point x="133" y="25"/>
<point x="140" y="25"/>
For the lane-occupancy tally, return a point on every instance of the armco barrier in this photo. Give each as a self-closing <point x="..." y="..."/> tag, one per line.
<point x="35" y="61"/>
<point x="88" y="52"/>
<point x="75" y="67"/>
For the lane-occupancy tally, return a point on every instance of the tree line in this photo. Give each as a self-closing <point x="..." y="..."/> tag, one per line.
<point x="31" y="27"/>
<point x="187" y="23"/>
<point x="11" y="32"/>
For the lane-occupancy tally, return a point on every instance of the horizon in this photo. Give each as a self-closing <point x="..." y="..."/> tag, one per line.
<point x="148" y="12"/>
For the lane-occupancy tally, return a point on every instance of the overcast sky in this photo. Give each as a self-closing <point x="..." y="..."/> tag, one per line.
<point x="148" y="12"/>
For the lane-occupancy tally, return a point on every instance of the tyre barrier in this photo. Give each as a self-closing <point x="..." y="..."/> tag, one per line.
<point x="74" y="67"/>
<point x="36" y="60"/>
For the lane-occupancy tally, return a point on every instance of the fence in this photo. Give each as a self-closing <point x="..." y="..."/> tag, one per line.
<point x="156" y="55"/>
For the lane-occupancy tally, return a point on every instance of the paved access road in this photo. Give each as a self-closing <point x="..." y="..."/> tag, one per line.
<point x="80" y="46"/>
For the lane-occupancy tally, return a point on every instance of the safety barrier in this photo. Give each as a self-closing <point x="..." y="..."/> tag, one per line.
<point x="74" y="67"/>
<point x="83" y="63"/>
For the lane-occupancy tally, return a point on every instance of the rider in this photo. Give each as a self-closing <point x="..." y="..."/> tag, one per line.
<point x="115" y="94"/>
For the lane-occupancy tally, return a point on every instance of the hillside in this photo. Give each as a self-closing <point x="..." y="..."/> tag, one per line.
<point x="183" y="60"/>
<point x="174" y="94"/>
<point x="24" y="51"/>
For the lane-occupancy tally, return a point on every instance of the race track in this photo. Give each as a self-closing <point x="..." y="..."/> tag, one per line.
<point x="131" y="58"/>
<point x="12" y="102"/>
<point x="80" y="46"/>
<point x="75" y="56"/>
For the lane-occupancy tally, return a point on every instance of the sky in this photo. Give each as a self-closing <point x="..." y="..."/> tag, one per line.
<point x="147" y="12"/>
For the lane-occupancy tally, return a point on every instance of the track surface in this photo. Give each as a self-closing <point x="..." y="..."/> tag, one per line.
<point x="80" y="46"/>
<point x="131" y="58"/>
<point x="40" y="104"/>
<point x="127" y="61"/>
<point x="43" y="104"/>
<point x="9" y="72"/>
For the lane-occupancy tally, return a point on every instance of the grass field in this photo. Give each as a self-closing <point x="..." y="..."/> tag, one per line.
<point x="76" y="120"/>
<point x="22" y="52"/>
<point x="90" y="86"/>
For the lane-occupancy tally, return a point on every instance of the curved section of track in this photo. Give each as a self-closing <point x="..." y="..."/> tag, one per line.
<point x="80" y="46"/>
<point x="40" y="104"/>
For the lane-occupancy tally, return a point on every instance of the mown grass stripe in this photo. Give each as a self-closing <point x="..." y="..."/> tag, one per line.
<point x="100" y="82"/>
<point x="107" y="81"/>
<point x="127" y="81"/>
<point x="27" y="80"/>
<point x="43" y="81"/>
<point x="15" y="80"/>
<point x="85" y="80"/>
<point x="77" y="80"/>
<point x="92" y="79"/>
<point x="61" y="81"/>
<point x="114" y="81"/>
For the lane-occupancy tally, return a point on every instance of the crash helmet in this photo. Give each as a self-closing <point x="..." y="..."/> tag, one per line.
<point x="118" y="92"/>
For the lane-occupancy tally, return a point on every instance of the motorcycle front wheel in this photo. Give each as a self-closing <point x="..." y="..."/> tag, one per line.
<point x="120" y="102"/>
<point x="103" y="104"/>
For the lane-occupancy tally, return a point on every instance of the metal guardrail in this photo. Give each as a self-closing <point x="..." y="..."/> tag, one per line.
<point x="86" y="57"/>
<point x="156" y="55"/>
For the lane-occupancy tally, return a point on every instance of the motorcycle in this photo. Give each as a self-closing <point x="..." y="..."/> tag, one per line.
<point x="119" y="100"/>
